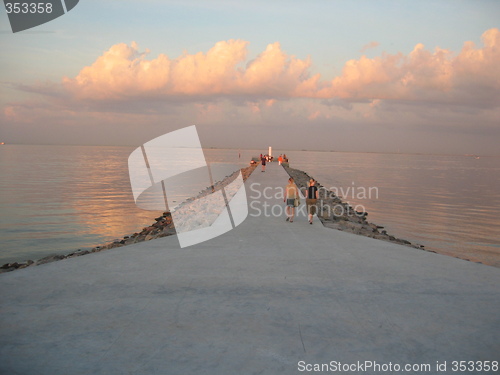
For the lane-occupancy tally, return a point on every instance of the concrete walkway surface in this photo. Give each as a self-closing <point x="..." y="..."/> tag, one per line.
<point x="269" y="297"/>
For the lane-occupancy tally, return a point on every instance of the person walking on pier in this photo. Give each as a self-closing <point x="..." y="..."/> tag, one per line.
<point x="291" y="194"/>
<point x="312" y="198"/>
<point x="263" y="162"/>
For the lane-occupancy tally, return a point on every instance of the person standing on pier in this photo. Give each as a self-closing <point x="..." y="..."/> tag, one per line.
<point x="263" y="162"/>
<point x="312" y="198"/>
<point x="291" y="194"/>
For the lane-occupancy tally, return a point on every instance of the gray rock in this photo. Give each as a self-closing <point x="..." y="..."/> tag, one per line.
<point x="50" y="259"/>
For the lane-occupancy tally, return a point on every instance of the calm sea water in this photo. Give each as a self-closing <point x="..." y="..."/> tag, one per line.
<point x="447" y="203"/>
<point x="57" y="199"/>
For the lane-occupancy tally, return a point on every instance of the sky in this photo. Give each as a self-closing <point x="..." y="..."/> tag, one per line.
<point x="363" y="76"/>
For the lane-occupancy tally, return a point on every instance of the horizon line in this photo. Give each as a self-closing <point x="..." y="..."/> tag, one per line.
<point x="266" y="148"/>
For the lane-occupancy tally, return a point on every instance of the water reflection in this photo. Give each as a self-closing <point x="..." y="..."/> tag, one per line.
<point x="60" y="198"/>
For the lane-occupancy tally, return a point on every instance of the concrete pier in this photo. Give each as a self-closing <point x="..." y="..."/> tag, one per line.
<point x="269" y="297"/>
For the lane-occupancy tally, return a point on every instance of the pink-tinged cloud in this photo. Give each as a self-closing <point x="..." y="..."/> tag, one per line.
<point x="470" y="77"/>
<point x="123" y="72"/>
<point x="473" y="75"/>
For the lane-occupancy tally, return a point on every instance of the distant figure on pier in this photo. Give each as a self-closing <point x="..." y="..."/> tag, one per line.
<point x="311" y="199"/>
<point x="291" y="199"/>
<point x="280" y="159"/>
<point x="263" y="162"/>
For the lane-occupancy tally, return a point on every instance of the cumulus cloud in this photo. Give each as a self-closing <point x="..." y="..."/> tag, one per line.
<point x="123" y="72"/>
<point x="470" y="77"/>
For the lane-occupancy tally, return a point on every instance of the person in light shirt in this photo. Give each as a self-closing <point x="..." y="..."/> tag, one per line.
<point x="291" y="194"/>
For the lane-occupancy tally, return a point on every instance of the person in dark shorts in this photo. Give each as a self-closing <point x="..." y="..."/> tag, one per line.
<point x="311" y="199"/>
<point x="291" y="193"/>
<point x="263" y="162"/>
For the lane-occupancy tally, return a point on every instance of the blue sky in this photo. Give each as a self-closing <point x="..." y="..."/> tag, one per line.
<point x="326" y="34"/>
<point x="331" y="32"/>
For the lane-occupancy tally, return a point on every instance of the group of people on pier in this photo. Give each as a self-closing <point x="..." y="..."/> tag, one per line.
<point x="292" y="199"/>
